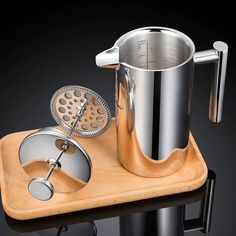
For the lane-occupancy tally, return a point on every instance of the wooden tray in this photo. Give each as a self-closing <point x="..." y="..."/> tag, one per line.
<point x="110" y="182"/>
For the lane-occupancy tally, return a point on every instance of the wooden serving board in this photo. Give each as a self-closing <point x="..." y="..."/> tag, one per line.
<point x="110" y="183"/>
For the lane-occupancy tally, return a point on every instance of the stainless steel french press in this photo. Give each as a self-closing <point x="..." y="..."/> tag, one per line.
<point x="154" y="76"/>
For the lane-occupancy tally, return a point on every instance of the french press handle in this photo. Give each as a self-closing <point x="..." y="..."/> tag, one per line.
<point x="217" y="55"/>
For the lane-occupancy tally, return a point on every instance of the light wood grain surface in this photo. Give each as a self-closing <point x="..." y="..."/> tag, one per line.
<point x="110" y="182"/>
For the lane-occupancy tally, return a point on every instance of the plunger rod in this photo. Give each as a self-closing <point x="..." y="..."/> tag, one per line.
<point x="79" y="113"/>
<point x="53" y="165"/>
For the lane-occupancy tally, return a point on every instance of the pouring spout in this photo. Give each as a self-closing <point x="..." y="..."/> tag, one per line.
<point x="108" y="58"/>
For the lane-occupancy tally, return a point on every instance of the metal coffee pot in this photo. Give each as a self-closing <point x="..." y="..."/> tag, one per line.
<point x="154" y="75"/>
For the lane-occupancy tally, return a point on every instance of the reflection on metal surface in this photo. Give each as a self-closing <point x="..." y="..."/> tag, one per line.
<point x="154" y="116"/>
<point x="163" y="222"/>
<point x="157" y="109"/>
<point x="219" y="56"/>
<point x="82" y="112"/>
<point x="159" y="62"/>
<point x="42" y="145"/>
<point x="204" y="222"/>
<point x="131" y="154"/>
<point x="41" y="188"/>
<point x="170" y="221"/>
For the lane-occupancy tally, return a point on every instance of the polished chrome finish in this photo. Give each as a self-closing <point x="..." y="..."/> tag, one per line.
<point x="68" y="105"/>
<point x="153" y="90"/>
<point x="109" y="58"/>
<point x="41" y="189"/>
<point x="67" y="101"/>
<point x="54" y="162"/>
<point x="206" y="56"/>
<point x="218" y="55"/>
<point x="152" y="48"/>
<point x="54" y="165"/>
<point x="156" y="109"/>
<point x="154" y="77"/>
<point x="41" y="145"/>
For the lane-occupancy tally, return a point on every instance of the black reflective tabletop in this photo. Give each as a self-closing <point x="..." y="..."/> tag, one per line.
<point x="44" y="47"/>
<point x="170" y="215"/>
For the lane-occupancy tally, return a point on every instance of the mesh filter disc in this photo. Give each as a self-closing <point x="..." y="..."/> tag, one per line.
<point x="96" y="118"/>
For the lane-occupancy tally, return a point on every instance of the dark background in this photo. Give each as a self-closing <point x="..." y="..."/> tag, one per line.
<point x="44" y="47"/>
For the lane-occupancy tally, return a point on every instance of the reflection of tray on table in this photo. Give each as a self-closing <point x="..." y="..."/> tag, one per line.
<point x="110" y="183"/>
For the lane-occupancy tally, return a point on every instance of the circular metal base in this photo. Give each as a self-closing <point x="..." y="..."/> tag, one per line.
<point x="43" y="145"/>
<point x="41" y="189"/>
